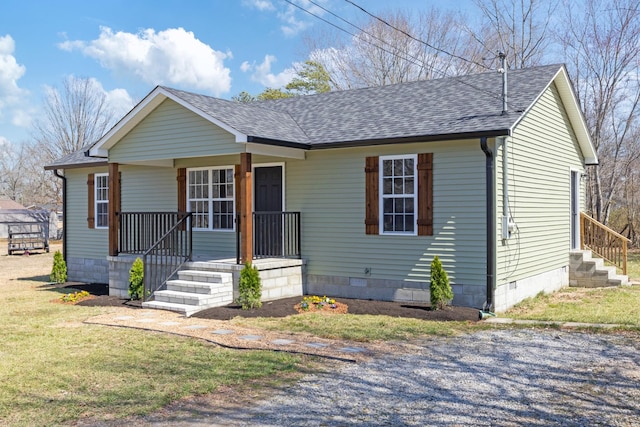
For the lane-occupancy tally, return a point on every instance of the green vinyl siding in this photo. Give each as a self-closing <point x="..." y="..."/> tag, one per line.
<point x="542" y="152"/>
<point x="329" y="189"/>
<point x="150" y="189"/>
<point x="173" y="132"/>
<point x="82" y="242"/>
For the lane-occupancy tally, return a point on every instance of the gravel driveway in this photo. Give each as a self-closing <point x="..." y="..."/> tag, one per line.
<point x="501" y="377"/>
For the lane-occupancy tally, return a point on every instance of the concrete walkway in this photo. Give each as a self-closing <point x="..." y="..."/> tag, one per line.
<point x="226" y="334"/>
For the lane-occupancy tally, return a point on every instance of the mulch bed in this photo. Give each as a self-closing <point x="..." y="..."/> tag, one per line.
<point x="285" y="307"/>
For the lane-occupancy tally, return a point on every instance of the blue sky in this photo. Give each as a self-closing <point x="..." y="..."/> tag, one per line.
<point x="215" y="47"/>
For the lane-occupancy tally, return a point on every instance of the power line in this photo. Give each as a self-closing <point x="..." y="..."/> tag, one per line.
<point x="414" y="38"/>
<point x="415" y="61"/>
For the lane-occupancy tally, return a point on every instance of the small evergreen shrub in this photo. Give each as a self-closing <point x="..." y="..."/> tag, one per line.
<point x="440" y="288"/>
<point x="136" y="280"/>
<point x="59" y="270"/>
<point x="250" y="288"/>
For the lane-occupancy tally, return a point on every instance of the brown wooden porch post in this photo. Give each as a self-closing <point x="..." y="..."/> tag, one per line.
<point x="114" y="206"/>
<point x="246" y="208"/>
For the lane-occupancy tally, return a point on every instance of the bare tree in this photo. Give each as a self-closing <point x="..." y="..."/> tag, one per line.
<point x="518" y="28"/>
<point x="601" y="43"/>
<point x="395" y="48"/>
<point x="73" y="117"/>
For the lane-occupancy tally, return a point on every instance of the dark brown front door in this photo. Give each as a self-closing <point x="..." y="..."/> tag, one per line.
<point x="268" y="211"/>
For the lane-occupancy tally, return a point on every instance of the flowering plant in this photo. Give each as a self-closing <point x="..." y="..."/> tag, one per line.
<point x="74" y="297"/>
<point x="319" y="303"/>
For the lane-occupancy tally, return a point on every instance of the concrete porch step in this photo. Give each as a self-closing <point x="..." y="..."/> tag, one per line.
<point x="193" y="287"/>
<point x="188" y="298"/>
<point x="205" y="276"/>
<point x="591" y="272"/>
<point x="186" y="310"/>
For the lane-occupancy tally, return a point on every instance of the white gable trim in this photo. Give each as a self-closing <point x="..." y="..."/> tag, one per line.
<point x="142" y="110"/>
<point x="572" y="107"/>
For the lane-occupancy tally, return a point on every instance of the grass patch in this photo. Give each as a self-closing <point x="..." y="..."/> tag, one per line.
<point x="633" y="264"/>
<point x="599" y="305"/>
<point x="363" y="328"/>
<point x="55" y="369"/>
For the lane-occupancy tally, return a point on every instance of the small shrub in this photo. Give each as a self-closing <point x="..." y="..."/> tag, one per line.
<point x="136" y="280"/>
<point x="250" y="288"/>
<point x="440" y="288"/>
<point x="59" y="270"/>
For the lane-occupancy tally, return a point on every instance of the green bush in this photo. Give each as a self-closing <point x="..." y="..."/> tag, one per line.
<point x="250" y="288"/>
<point x="59" y="270"/>
<point x="440" y="289"/>
<point x="136" y="280"/>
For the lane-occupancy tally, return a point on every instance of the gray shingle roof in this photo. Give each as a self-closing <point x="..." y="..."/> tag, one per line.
<point x="76" y="159"/>
<point x="450" y="106"/>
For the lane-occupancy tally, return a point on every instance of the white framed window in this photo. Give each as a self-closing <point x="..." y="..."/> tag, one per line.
<point x="398" y="195"/>
<point x="211" y="198"/>
<point x="101" y="200"/>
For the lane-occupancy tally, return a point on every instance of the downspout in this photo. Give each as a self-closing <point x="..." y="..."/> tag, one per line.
<point x="490" y="209"/>
<point x="64" y="213"/>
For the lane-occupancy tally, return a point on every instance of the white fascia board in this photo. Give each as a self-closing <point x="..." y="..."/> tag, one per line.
<point x="275" y="151"/>
<point x="576" y="117"/>
<point x="572" y="107"/>
<point x="142" y="110"/>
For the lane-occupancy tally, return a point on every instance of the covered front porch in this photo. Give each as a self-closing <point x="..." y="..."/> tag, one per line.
<point x="164" y="240"/>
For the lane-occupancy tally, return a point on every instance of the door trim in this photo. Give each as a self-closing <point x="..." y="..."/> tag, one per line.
<point x="265" y="165"/>
<point x="574" y="208"/>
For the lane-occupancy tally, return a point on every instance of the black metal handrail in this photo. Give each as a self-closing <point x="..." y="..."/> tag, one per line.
<point x="275" y="235"/>
<point x="138" y="231"/>
<point x="164" y="239"/>
<point x="165" y="257"/>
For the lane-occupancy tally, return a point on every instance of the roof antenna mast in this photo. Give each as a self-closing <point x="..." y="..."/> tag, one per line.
<point x="503" y="70"/>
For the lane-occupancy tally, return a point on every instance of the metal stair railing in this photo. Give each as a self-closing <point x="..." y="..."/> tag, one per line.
<point x="604" y="242"/>
<point x="163" y="239"/>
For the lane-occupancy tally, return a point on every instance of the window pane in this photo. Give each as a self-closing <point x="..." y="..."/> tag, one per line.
<point x="229" y="175"/>
<point x="398" y="186"/>
<point x="408" y="167"/>
<point x="387" y="206"/>
<point x="387" y="186"/>
<point x="398" y="167"/>
<point x="215" y="176"/>
<point x="408" y="186"/>
<point x="408" y="223"/>
<point x="388" y="223"/>
<point x="387" y="168"/>
<point x="408" y="205"/>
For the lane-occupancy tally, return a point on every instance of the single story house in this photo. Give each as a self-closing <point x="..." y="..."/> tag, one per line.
<point x="355" y="190"/>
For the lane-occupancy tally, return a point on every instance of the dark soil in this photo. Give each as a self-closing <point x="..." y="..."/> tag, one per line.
<point x="285" y="307"/>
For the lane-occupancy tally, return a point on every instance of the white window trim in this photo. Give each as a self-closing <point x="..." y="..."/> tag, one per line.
<point x="210" y="198"/>
<point x="381" y="195"/>
<point x="97" y="201"/>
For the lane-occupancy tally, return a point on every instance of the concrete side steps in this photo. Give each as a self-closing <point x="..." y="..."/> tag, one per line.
<point x="194" y="291"/>
<point x="588" y="272"/>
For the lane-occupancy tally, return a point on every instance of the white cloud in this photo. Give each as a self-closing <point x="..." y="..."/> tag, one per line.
<point x="262" y="74"/>
<point x="11" y="95"/>
<point x="173" y="56"/>
<point x="259" y="4"/>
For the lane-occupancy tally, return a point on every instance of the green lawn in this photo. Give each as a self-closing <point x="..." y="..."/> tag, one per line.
<point x="601" y="305"/>
<point x="55" y="369"/>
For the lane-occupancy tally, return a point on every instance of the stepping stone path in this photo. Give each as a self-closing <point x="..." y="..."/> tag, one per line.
<point x="183" y="325"/>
